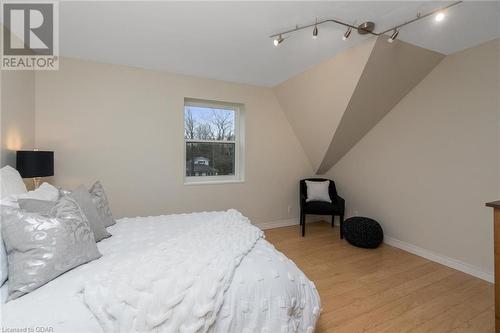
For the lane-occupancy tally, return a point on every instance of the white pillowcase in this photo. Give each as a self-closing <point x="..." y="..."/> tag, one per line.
<point x="11" y="182"/>
<point x="4" y="272"/>
<point x="318" y="191"/>
<point x="44" y="192"/>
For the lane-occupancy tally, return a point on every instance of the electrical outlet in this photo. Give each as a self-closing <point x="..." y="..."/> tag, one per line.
<point x="356" y="213"/>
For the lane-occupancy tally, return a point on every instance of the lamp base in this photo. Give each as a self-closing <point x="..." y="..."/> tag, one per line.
<point x="37" y="181"/>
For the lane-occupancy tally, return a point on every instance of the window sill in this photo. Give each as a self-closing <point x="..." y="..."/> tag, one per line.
<point x="213" y="182"/>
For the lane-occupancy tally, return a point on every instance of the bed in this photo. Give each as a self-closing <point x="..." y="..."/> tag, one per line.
<point x="266" y="292"/>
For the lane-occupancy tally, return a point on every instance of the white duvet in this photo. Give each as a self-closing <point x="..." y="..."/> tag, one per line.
<point x="263" y="291"/>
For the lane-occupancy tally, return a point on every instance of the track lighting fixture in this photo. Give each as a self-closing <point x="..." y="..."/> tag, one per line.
<point x="394" y="35"/>
<point x="439" y="16"/>
<point x="315" y="30"/>
<point x="347" y="33"/>
<point x="277" y="41"/>
<point x="365" y="28"/>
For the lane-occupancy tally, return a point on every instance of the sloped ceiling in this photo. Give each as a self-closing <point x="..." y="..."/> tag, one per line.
<point x="228" y="40"/>
<point x="333" y="105"/>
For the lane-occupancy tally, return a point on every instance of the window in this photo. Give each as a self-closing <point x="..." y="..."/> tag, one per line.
<point x="213" y="142"/>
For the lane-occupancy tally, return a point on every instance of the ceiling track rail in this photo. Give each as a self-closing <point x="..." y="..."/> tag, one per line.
<point x="366" y="27"/>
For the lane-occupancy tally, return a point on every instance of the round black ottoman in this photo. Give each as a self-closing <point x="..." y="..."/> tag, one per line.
<point x="363" y="232"/>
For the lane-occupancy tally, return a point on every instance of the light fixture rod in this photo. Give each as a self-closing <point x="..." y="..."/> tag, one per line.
<point x="298" y="28"/>
<point x="420" y="17"/>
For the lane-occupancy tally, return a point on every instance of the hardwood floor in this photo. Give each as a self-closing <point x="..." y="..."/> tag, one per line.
<point x="386" y="289"/>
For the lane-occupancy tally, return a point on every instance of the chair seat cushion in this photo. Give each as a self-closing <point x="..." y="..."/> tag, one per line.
<point x="363" y="232"/>
<point x="321" y="208"/>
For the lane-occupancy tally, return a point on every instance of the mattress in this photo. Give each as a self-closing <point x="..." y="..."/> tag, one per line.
<point x="268" y="293"/>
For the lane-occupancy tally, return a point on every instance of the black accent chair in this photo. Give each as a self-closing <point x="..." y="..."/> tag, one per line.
<point x="336" y="207"/>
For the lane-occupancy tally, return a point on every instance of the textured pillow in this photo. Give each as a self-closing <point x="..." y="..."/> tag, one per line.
<point x="29" y="205"/>
<point x="42" y="207"/>
<point x="318" y="191"/>
<point x="82" y="196"/>
<point x="4" y="272"/>
<point x="101" y="201"/>
<point x="11" y="182"/>
<point x="40" y="248"/>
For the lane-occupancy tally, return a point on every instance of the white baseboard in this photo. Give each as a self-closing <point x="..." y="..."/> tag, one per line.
<point x="439" y="258"/>
<point x="278" y="223"/>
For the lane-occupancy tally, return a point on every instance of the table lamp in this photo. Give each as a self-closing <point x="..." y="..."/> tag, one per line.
<point x="35" y="164"/>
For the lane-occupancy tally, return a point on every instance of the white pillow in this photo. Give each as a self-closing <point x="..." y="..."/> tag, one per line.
<point x="318" y="191"/>
<point x="3" y="260"/>
<point x="45" y="192"/>
<point x="11" y="182"/>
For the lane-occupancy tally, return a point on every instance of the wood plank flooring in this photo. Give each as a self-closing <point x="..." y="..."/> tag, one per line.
<point x="386" y="289"/>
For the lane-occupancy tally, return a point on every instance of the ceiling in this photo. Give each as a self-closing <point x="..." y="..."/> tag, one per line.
<point x="229" y="40"/>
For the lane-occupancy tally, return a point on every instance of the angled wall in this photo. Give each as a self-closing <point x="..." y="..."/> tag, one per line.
<point x="315" y="100"/>
<point x="391" y="72"/>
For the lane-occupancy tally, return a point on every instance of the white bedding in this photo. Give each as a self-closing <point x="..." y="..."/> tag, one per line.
<point x="268" y="293"/>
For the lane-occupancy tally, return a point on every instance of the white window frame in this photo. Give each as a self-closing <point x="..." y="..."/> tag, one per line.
<point x="239" y="143"/>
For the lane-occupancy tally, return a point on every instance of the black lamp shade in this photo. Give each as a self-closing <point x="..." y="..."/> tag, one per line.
<point x="35" y="163"/>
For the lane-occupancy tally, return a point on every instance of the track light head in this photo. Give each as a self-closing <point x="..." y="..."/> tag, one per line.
<point x="347" y="34"/>
<point x="439" y="16"/>
<point x="394" y="35"/>
<point x="315" y="32"/>
<point x="278" y="40"/>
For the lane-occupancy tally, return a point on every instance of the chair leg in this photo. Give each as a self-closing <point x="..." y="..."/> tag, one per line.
<point x="303" y="225"/>
<point x="333" y="221"/>
<point x="341" y="226"/>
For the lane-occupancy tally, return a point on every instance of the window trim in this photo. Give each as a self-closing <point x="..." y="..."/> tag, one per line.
<point x="239" y="149"/>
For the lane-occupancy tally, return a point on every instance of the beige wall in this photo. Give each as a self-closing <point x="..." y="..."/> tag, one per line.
<point x="17" y="116"/>
<point x="426" y="170"/>
<point x="124" y="126"/>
